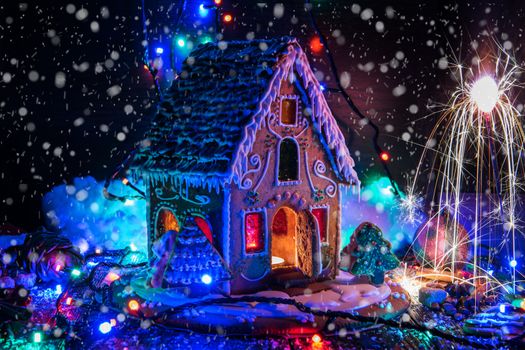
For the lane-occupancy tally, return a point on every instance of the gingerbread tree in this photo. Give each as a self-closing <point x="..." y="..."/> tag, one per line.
<point x="372" y="253"/>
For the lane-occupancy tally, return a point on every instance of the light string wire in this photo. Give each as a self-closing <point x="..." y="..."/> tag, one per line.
<point x="348" y="99"/>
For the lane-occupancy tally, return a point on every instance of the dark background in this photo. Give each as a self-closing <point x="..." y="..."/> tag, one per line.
<point x="53" y="131"/>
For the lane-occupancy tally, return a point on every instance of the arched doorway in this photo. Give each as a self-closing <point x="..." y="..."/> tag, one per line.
<point x="295" y="242"/>
<point x="284" y="252"/>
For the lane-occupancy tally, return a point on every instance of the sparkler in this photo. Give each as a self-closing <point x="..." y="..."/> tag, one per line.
<point x="481" y="150"/>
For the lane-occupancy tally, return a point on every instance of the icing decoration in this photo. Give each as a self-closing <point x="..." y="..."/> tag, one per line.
<point x="319" y="170"/>
<point x="255" y="161"/>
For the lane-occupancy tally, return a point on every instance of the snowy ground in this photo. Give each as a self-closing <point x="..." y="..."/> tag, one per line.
<point x="136" y="333"/>
<point x="342" y="294"/>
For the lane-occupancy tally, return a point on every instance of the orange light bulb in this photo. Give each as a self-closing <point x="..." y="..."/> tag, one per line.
<point x="133" y="305"/>
<point x="227" y="18"/>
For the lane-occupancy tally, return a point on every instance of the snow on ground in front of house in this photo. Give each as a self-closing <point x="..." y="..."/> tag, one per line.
<point x="346" y="297"/>
<point x="344" y="277"/>
<point x="344" y="293"/>
<point x="341" y="296"/>
<point x="250" y="311"/>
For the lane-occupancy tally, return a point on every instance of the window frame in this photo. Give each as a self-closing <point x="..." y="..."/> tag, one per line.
<point x="326" y="207"/>
<point x="264" y="251"/>
<point x="297" y="116"/>
<point x="278" y="164"/>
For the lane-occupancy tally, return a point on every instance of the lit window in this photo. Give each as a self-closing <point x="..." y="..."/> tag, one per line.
<point x="321" y="215"/>
<point x="288" y="160"/>
<point x="289" y="111"/>
<point x="254" y="232"/>
<point x="166" y="221"/>
<point x="205" y="227"/>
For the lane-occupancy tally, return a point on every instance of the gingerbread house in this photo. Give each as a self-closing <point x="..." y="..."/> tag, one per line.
<point x="245" y="143"/>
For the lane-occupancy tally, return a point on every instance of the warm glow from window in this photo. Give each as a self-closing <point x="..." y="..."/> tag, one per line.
<point x="289" y="111"/>
<point x="321" y="217"/>
<point x="254" y="232"/>
<point x="166" y="221"/>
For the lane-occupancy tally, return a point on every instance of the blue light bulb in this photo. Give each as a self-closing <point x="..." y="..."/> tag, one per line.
<point x="206" y="279"/>
<point x="105" y="327"/>
<point x="203" y="11"/>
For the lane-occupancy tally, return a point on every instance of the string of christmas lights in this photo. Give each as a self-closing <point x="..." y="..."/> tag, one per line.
<point x="149" y="64"/>
<point x="113" y="197"/>
<point x="384" y="156"/>
<point x="134" y="306"/>
<point x="115" y="271"/>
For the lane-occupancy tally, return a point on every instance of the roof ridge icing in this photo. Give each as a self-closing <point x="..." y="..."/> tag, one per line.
<point x="201" y="101"/>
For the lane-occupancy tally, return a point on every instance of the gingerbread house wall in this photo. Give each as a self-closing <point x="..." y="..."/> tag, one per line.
<point x="184" y="198"/>
<point x="260" y="190"/>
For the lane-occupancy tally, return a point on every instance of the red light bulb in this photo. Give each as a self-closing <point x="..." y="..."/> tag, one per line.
<point x="316" y="45"/>
<point x="385" y="157"/>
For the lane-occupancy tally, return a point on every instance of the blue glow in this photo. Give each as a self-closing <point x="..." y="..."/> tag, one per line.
<point x="206" y="39"/>
<point x="203" y="11"/>
<point x="206" y="279"/>
<point x="490" y="272"/>
<point x="159" y="50"/>
<point x="80" y="211"/>
<point x="58" y="289"/>
<point x="37" y="337"/>
<point x="181" y="42"/>
<point x="105" y="327"/>
<point x="323" y="87"/>
<point x="513" y="263"/>
<point x="502" y="308"/>
<point x="378" y="205"/>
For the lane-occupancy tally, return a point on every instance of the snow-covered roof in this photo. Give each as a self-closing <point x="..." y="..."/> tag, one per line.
<point x="206" y="125"/>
